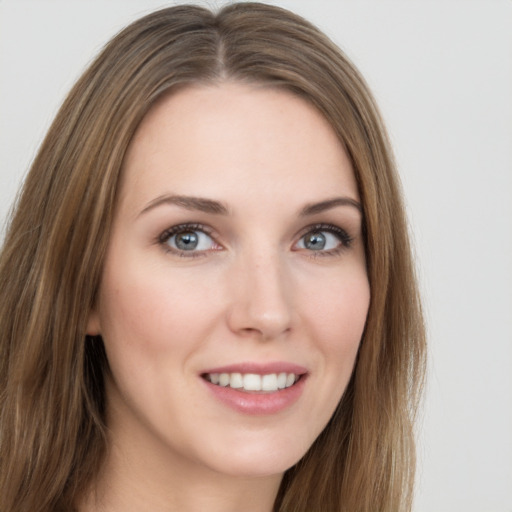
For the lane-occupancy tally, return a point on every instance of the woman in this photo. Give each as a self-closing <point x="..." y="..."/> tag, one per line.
<point x="208" y="299"/>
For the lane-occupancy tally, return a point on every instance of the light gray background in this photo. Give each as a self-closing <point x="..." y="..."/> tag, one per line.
<point x="442" y="73"/>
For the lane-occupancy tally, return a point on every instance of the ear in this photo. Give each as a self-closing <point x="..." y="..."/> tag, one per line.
<point x="93" y="324"/>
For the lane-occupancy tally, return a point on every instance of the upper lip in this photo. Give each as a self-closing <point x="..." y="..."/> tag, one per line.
<point x="259" y="368"/>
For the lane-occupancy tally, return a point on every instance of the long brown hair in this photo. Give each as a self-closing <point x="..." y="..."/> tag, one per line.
<point x="52" y="429"/>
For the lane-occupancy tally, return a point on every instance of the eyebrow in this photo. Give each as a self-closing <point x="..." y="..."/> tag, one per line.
<point x="217" y="208"/>
<point x="322" y="206"/>
<point x="189" y="203"/>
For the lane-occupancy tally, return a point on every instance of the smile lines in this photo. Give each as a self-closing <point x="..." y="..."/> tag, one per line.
<point x="253" y="381"/>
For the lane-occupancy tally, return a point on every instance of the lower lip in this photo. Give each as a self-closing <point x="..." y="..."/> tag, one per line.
<point x="258" y="403"/>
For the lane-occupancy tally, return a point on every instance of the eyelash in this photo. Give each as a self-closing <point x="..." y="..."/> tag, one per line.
<point x="183" y="228"/>
<point x="342" y="235"/>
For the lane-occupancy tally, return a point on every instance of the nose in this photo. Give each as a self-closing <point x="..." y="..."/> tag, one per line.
<point x="260" y="304"/>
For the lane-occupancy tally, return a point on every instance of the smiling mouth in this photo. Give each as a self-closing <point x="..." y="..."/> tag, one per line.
<point x="253" y="382"/>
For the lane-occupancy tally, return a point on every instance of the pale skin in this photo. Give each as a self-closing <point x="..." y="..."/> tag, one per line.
<point x="236" y="240"/>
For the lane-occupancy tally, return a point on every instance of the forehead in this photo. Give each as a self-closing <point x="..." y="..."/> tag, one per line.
<point x="231" y="137"/>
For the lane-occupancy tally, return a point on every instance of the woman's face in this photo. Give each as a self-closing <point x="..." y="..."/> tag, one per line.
<point x="234" y="293"/>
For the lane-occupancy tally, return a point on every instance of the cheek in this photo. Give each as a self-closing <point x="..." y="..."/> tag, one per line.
<point x="153" y="310"/>
<point x="151" y="330"/>
<point x="334" y="323"/>
<point x="338" y="318"/>
<point x="343" y="305"/>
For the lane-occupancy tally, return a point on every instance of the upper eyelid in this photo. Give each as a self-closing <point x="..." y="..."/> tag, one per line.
<point x="208" y="230"/>
<point x="345" y="238"/>
<point x="323" y="226"/>
<point x="191" y="226"/>
<point x="165" y="236"/>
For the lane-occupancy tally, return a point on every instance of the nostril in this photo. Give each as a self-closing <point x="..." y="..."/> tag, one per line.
<point x="260" y="301"/>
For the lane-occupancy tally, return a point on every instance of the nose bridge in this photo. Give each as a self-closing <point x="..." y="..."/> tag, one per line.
<point x="261" y="297"/>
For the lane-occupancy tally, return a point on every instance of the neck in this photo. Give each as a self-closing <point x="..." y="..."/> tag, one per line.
<point x="121" y="489"/>
<point x="145" y="475"/>
<point x="123" y="492"/>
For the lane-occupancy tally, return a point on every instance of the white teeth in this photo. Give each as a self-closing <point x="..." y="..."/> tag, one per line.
<point x="236" y="381"/>
<point x="253" y="381"/>
<point x="269" y="382"/>
<point x="290" y="379"/>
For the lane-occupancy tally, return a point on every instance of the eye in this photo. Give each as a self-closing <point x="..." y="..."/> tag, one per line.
<point x="324" y="238"/>
<point x="188" y="238"/>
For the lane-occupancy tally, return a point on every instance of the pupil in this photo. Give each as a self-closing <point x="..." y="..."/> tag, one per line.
<point x="315" y="241"/>
<point x="187" y="241"/>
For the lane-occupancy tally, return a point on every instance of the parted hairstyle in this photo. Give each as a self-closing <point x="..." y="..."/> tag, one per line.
<point x="52" y="403"/>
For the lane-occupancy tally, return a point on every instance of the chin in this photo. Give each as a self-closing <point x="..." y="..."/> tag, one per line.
<point x="259" y="460"/>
